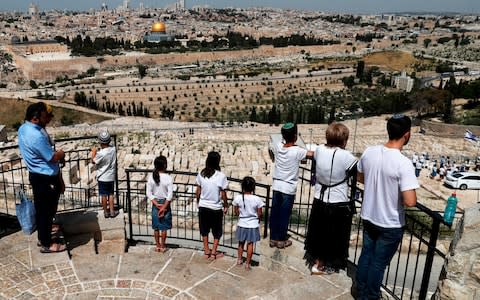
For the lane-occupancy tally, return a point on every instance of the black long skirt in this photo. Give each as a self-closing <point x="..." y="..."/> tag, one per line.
<point x="328" y="234"/>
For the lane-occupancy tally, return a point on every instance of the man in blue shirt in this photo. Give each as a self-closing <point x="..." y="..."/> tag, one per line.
<point x="44" y="171"/>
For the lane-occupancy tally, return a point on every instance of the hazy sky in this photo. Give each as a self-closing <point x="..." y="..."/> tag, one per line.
<point x="343" y="6"/>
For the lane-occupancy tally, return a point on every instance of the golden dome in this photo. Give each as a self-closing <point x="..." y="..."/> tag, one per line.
<point x="158" y="27"/>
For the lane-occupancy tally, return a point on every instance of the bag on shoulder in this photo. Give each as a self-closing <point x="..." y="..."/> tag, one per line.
<point x="26" y="214"/>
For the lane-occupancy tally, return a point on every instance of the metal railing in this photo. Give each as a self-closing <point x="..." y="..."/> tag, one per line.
<point x="78" y="174"/>
<point x="184" y="208"/>
<point x="415" y="269"/>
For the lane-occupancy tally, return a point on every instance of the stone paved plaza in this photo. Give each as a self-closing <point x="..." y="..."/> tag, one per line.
<point x="142" y="273"/>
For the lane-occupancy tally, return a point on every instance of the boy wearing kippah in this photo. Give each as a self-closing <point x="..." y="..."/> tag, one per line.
<point x="106" y="162"/>
<point x="285" y="177"/>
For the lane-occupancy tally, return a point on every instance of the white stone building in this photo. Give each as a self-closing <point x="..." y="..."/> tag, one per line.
<point x="403" y="82"/>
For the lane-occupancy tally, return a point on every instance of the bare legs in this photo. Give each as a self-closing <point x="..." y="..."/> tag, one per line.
<point x="213" y="252"/>
<point x="249" y="253"/>
<point x="161" y="245"/>
<point x="110" y="203"/>
<point x="108" y="206"/>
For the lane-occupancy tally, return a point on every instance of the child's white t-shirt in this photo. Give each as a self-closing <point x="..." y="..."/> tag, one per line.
<point x="211" y="187"/>
<point x="105" y="162"/>
<point x="287" y="163"/>
<point x="162" y="190"/>
<point x="248" y="217"/>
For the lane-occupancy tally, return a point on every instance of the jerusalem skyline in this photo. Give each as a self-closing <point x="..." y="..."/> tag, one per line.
<point x="345" y="6"/>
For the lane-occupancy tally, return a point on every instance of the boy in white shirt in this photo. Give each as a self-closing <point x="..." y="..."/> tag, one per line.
<point x="285" y="177"/>
<point x="106" y="163"/>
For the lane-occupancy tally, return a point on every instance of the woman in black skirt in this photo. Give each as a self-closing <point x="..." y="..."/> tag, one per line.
<point x="328" y="236"/>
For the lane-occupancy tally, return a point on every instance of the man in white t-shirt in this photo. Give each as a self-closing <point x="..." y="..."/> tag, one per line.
<point x="390" y="184"/>
<point x="285" y="177"/>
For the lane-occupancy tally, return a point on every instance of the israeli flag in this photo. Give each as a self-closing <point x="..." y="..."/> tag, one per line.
<point x="470" y="136"/>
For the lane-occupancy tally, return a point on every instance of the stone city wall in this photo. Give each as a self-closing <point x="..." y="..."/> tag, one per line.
<point x="33" y="48"/>
<point x="49" y="70"/>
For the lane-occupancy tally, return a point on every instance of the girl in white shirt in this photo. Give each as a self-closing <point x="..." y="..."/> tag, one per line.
<point x="160" y="193"/>
<point x="249" y="209"/>
<point x="212" y="203"/>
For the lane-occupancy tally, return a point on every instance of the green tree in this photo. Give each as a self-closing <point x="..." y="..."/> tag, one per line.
<point x="427" y="42"/>
<point x="91" y="71"/>
<point x="349" y="81"/>
<point x="33" y="84"/>
<point x="360" y="69"/>
<point x="142" y="70"/>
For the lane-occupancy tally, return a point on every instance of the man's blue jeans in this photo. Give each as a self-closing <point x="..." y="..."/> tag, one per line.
<point x="280" y="215"/>
<point x="379" y="246"/>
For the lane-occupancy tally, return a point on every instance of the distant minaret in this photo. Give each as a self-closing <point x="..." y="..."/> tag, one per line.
<point x="104" y="6"/>
<point x="141" y="6"/>
<point x="126" y="4"/>
<point x="181" y="4"/>
<point x="32" y="10"/>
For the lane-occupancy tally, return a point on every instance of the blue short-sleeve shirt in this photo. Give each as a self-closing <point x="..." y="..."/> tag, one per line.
<point x="36" y="149"/>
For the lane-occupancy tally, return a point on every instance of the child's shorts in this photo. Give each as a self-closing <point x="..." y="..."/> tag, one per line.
<point x="105" y="188"/>
<point x="248" y="234"/>
<point x="163" y="223"/>
<point x="210" y="219"/>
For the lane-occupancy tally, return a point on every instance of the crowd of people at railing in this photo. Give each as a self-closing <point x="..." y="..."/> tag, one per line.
<point x="388" y="176"/>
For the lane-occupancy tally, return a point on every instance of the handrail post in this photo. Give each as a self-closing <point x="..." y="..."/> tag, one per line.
<point x="432" y="243"/>
<point x="267" y="208"/>
<point x="129" y="205"/>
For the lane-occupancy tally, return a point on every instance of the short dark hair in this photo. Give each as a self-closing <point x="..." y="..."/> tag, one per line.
<point x="289" y="132"/>
<point x="35" y="110"/>
<point x="397" y="126"/>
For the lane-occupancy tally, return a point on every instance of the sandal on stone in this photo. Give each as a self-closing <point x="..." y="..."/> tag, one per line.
<point x="207" y="255"/>
<point x="239" y="262"/>
<point x="287" y="243"/>
<point x="56" y="248"/>
<point x="317" y="270"/>
<point x="272" y="243"/>
<point x="280" y="244"/>
<point x="216" y="255"/>
<point x="161" y="249"/>
<point x="106" y="214"/>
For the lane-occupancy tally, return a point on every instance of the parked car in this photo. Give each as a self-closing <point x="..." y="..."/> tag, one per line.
<point x="463" y="180"/>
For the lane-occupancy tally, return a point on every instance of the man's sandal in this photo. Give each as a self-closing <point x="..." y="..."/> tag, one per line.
<point x="56" y="248"/>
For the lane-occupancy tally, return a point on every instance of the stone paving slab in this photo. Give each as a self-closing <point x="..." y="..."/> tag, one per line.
<point x="142" y="266"/>
<point x="143" y="273"/>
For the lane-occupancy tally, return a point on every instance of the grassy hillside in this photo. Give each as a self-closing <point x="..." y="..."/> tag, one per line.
<point x="12" y="113"/>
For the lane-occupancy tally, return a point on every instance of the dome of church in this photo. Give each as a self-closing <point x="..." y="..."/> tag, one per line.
<point x="158" y="27"/>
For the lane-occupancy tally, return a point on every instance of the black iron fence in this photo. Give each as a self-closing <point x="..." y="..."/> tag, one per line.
<point x="78" y="173"/>
<point x="416" y="267"/>
<point x="184" y="208"/>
